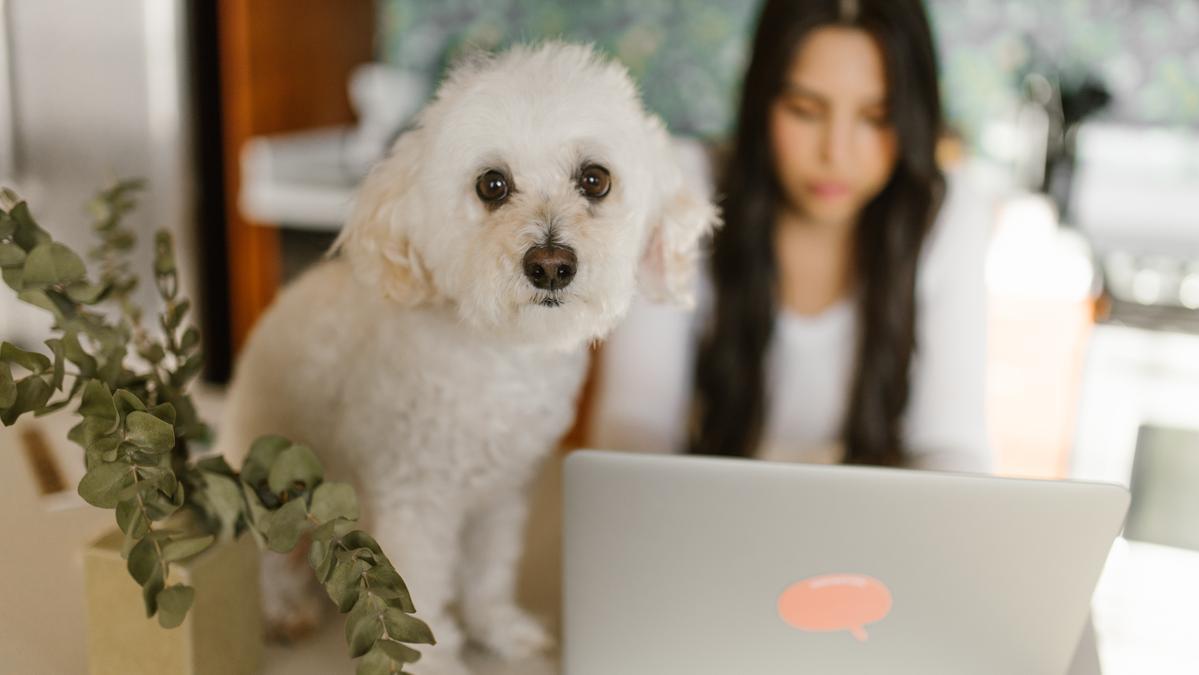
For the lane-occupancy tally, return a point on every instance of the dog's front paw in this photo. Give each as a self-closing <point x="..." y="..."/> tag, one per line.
<point x="508" y="632"/>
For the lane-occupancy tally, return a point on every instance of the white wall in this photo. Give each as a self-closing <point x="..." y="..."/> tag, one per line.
<point x="97" y="90"/>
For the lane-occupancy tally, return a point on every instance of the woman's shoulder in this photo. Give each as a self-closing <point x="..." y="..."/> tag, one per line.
<point x="957" y="242"/>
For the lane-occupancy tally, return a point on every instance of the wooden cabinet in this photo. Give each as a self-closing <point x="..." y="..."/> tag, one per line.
<point x="284" y="66"/>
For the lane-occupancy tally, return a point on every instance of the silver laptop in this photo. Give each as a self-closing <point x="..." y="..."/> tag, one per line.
<point x="702" y="566"/>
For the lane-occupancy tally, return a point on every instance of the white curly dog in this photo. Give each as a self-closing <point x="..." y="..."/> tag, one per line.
<point x="436" y="361"/>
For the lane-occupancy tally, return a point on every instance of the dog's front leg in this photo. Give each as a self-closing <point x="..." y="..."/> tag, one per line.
<point x="420" y="534"/>
<point x="493" y="544"/>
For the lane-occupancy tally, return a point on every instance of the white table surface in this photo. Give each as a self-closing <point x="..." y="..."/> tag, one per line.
<point x="41" y="595"/>
<point x="325" y="654"/>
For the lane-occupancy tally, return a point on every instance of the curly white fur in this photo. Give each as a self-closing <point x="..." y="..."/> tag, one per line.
<point x="422" y="364"/>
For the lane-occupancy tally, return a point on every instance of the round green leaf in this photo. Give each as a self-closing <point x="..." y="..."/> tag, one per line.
<point x="143" y="561"/>
<point x="320" y="557"/>
<point x="52" y="263"/>
<point x="287" y="524"/>
<point x="363" y="626"/>
<point x="173" y="603"/>
<point x="147" y="431"/>
<point x="386" y="583"/>
<point x="102" y="484"/>
<point x="334" y="500"/>
<point x="407" y="628"/>
<point x="154" y="353"/>
<point x="345" y="583"/>
<point x="131" y="519"/>
<point x="297" y="464"/>
<point x="224" y="500"/>
<point x="126" y="401"/>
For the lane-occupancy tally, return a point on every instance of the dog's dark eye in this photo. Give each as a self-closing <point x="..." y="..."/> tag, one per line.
<point x="595" y="181"/>
<point x="492" y="188"/>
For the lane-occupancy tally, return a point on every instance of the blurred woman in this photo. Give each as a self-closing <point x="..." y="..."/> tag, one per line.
<point x="842" y="317"/>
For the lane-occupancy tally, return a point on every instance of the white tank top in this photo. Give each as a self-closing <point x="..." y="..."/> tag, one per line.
<point x="644" y="377"/>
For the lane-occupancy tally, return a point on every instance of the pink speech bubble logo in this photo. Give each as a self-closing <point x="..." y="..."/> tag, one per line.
<point x="835" y="602"/>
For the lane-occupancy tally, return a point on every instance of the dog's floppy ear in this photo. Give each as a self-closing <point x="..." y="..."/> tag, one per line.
<point x="377" y="237"/>
<point x="685" y="215"/>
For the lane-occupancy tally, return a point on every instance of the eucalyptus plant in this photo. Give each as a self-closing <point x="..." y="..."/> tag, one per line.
<point x="138" y="427"/>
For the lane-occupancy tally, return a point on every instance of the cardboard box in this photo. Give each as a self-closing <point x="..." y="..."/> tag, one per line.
<point x="222" y="634"/>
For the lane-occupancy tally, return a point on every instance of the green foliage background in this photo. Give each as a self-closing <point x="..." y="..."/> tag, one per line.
<point x="688" y="55"/>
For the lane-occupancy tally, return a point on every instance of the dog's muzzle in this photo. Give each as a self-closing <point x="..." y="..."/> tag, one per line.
<point x="550" y="267"/>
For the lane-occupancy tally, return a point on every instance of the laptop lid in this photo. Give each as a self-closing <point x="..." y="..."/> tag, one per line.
<point x="705" y="566"/>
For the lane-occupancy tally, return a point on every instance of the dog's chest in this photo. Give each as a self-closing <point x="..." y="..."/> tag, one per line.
<point x="455" y="403"/>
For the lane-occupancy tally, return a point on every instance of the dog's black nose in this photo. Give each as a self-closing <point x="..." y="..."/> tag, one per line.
<point x="550" y="267"/>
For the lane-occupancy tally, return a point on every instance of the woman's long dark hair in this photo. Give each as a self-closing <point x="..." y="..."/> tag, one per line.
<point x="730" y="384"/>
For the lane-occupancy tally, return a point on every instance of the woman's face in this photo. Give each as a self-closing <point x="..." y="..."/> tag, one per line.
<point x="833" y="145"/>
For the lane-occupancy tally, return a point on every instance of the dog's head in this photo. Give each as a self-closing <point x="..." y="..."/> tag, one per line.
<point x="534" y="193"/>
